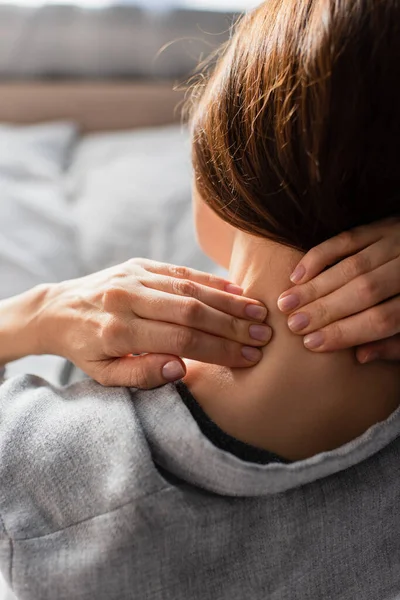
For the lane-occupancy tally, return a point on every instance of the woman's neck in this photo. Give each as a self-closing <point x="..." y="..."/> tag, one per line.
<point x="294" y="403"/>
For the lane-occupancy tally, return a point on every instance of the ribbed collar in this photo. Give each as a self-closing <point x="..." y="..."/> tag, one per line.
<point x="179" y="446"/>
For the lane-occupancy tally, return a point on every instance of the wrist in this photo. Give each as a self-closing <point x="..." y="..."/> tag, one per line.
<point x="21" y="324"/>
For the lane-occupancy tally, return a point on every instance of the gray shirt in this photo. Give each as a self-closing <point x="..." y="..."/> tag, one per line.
<point x="115" y="494"/>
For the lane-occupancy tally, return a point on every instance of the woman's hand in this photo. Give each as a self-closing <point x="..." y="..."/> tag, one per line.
<point x="356" y="302"/>
<point x="98" y="322"/>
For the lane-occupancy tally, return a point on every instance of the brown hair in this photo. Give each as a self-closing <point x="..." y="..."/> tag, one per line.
<point x="296" y="135"/>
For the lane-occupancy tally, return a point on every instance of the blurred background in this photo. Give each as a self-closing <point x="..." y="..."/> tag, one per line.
<point x="110" y="38"/>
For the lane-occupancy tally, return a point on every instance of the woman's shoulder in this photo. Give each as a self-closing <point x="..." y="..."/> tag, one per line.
<point x="69" y="454"/>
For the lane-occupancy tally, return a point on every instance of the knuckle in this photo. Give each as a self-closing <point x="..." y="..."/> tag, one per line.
<point x="346" y="239"/>
<point x="185" y="341"/>
<point x="354" y="266"/>
<point x="180" y="272"/>
<point x="236" y="326"/>
<point x="110" y="333"/>
<point x="213" y="280"/>
<point x="191" y="311"/>
<point x="140" y="377"/>
<point x="383" y="322"/>
<point x="322" y="314"/>
<point x="315" y="255"/>
<point x="185" y="288"/>
<point x="136" y="262"/>
<point x="113" y="296"/>
<point x="318" y="257"/>
<point x="368" y="289"/>
<point x="231" y="306"/>
<point x="308" y="292"/>
<point x="335" y="336"/>
<point x="360" y="263"/>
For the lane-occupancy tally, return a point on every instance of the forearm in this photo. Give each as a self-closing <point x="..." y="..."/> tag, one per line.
<point x="19" y="324"/>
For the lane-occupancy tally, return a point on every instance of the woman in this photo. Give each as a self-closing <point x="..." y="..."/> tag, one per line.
<point x="279" y="480"/>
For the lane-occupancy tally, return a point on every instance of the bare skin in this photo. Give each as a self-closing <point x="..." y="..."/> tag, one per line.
<point x="354" y="304"/>
<point x="294" y="402"/>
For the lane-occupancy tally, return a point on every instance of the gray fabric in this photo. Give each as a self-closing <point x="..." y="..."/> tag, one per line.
<point x="116" y="41"/>
<point x="86" y="513"/>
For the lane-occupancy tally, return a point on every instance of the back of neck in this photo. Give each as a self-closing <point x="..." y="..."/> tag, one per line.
<point x="294" y="402"/>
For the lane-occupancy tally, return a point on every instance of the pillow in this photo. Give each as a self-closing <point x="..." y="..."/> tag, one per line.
<point x="132" y="198"/>
<point x="35" y="151"/>
<point x="37" y="233"/>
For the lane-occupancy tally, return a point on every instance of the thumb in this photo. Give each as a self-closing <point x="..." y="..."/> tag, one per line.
<point x="388" y="349"/>
<point x="145" y="372"/>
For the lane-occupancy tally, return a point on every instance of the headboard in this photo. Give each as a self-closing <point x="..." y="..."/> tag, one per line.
<point x="94" y="105"/>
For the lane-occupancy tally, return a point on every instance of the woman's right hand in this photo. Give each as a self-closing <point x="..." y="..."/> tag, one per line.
<point x="143" y="307"/>
<point x="356" y="302"/>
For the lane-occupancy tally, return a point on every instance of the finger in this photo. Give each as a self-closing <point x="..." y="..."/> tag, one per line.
<point x="377" y="323"/>
<point x="356" y="296"/>
<point x="336" y="277"/>
<point x="336" y="248"/>
<point x="144" y="372"/>
<point x="237" y="306"/>
<point x="156" y="337"/>
<point x="207" y="279"/>
<point x="230" y="304"/>
<point x="388" y="349"/>
<point x="193" y="313"/>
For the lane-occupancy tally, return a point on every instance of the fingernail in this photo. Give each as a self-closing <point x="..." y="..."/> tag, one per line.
<point x="263" y="333"/>
<point x="173" y="371"/>
<point x="298" y="274"/>
<point x="251" y="354"/>
<point x="288" y="302"/>
<point x="369" y="358"/>
<point x="298" y="322"/>
<point x="234" y="289"/>
<point x="314" y="340"/>
<point x="258" y="313"/>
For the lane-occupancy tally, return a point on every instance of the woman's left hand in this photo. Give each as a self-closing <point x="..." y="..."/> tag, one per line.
<point x="356" y="302"/>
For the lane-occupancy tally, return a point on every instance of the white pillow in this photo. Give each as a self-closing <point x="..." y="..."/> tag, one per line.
<point x="132" y="194"/>
<point x="37" y="233"/>
<point x="35" y="151"/>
